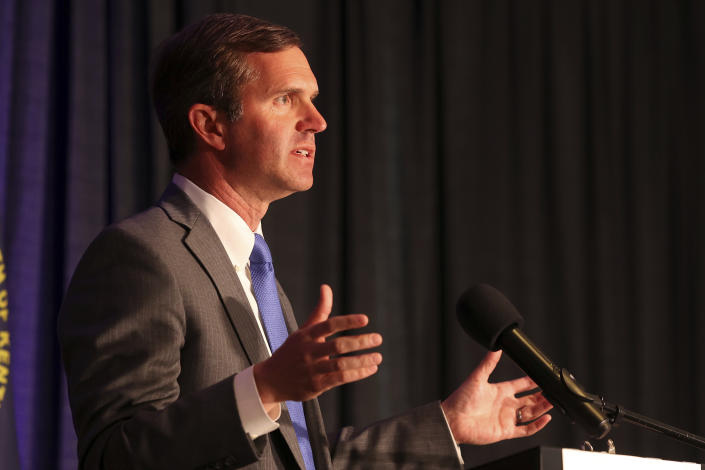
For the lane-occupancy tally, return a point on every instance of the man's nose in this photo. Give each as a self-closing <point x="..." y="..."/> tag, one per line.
<point x="312" y="121"/>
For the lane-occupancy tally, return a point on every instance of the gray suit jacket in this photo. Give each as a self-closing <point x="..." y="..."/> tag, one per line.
<point x="154" y="326"/>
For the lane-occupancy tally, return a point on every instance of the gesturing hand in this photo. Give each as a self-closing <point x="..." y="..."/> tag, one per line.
<point x="307" y="365"/>
<point x="479" y="412"/>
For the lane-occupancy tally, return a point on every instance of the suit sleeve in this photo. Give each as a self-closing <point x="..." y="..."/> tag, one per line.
<point x="121" y="328"/>
<point x="419" y="438"/>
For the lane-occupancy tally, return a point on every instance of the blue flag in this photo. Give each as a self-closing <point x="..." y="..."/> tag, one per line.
<point x="9" y="457"/>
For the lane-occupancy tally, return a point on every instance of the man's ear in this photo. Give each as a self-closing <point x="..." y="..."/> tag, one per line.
<point x="204" y="121"/>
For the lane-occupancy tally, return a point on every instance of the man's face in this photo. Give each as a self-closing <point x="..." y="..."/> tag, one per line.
<point x="271" y="148"/>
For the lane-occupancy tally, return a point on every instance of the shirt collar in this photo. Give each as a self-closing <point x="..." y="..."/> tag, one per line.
<point x="232" y="230"/>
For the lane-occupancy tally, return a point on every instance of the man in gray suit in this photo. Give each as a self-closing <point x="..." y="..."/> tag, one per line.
<point x="168" y="361"/>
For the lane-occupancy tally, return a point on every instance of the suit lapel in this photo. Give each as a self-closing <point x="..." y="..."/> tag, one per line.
<point x="288" y="429"/>
<point x="314" y="419"/>
<point x="207" y="248"/>
<point x="287" y="310"/>
<point x="217" y="264"/>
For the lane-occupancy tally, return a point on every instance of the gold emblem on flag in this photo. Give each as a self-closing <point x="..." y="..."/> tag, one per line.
<point x="4" y="333"/>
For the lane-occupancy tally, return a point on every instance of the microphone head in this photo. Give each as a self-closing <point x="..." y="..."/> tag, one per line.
<point x="484" y="313"/>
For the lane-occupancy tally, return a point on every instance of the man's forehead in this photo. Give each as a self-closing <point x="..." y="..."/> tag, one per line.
<point x="285" y="69"/>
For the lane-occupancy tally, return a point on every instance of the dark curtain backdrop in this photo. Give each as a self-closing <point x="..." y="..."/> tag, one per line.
<point x="554" y="149"/>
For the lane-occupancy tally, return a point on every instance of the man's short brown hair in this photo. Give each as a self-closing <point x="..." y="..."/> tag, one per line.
<point x="206" y="62"/>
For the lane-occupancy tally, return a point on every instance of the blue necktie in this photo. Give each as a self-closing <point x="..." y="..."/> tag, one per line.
<point x="270" y="309"/>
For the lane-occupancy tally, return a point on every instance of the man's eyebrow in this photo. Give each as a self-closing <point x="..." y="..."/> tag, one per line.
<point x="296" y="91"/>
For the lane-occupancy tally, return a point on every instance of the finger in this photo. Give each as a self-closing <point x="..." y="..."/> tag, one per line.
<point x="533" y="427"/>
<point x="538" y="408"/>
<point x="523" y="385"/>
<point x="348" y="344"/>
<point x="324" y="307"/>
<point x="530" y="411"/>
<point x="532" y="399"/>
<point x="335" y="379"/>
<point x="483" y="371"/>
<point x="337" y="324"/>
<point x="340" y="364"/>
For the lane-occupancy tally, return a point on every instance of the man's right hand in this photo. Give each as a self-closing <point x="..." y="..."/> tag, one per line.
<point x="307" y="365"/>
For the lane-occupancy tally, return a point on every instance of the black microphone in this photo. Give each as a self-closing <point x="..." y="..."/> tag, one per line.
<point x="491" y="319"/>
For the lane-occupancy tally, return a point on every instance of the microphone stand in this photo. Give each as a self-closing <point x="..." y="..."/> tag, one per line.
<point x="616" y="412"/>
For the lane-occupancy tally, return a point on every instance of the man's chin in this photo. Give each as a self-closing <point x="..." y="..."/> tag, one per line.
<point x="307" y="186"/>
<point x="302" y="184"/>
<point x="297" y="188"/>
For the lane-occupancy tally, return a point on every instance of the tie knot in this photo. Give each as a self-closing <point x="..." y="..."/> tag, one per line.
<point x="260" y="253"/>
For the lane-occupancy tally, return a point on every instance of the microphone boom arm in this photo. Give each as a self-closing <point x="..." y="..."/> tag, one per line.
<point x="616" y="412"/>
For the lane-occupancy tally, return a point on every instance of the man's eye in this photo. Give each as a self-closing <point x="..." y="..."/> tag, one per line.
<point x="284" y="99"/>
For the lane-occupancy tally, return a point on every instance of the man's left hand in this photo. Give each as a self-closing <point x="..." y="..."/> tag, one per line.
<point x="480" y="412"/>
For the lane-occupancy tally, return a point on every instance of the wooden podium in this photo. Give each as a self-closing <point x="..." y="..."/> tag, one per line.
<point x="553" y="458"/>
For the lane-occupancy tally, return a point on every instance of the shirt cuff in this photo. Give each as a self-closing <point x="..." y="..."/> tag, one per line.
<point x="457" y="447"/>
<point x="255" y="420"/>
